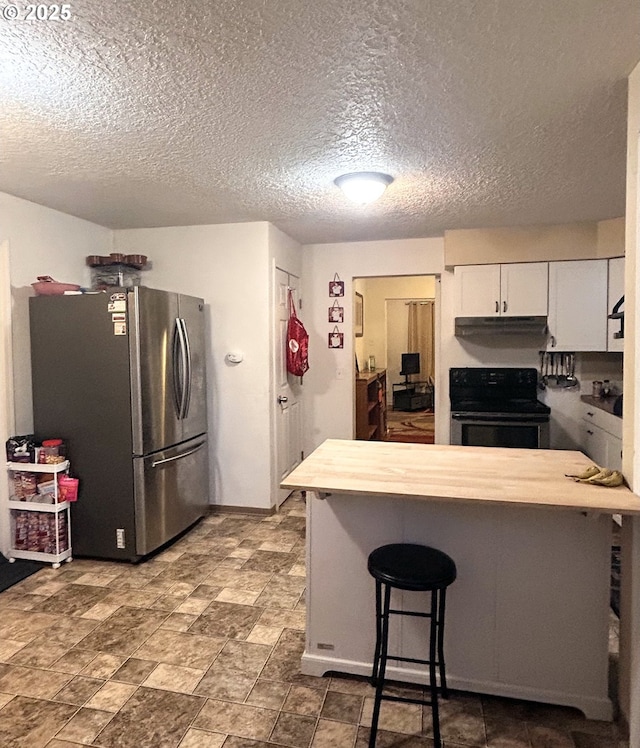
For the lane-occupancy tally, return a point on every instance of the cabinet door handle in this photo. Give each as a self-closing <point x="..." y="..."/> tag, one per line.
<point x="504" y="306"/>
<point x="553" y="341"/>
<point x="589" y="413"/>
<point x="497" y="306"/>
<point x="590" y="432"/>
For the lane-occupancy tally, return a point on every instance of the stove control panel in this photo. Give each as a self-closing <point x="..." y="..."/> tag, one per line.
<point x="509" y="378"/>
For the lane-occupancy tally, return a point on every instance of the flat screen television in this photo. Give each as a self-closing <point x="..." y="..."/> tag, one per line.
<point x="410" y="364"/>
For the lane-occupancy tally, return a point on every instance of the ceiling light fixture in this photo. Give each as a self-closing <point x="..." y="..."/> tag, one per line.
<point x="365" y="186"/>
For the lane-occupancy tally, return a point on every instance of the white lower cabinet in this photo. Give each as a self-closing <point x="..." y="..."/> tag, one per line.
<point x="602" y="437"/>
<point x="40" y="524"/>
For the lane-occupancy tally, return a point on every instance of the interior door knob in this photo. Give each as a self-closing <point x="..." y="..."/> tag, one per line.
<point x="282" y="399"/>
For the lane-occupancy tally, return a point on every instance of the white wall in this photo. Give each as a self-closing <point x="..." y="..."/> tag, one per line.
<point x="329" y="399"/>
<point x="329" y="384"/>
<point x="630" y="597"/>
<point x="229" y="267"/>
<point x="376" y="292"/>
<point x="41" y="241"/>
<point x="568" y="241"/>
<point x="284" y="251"/>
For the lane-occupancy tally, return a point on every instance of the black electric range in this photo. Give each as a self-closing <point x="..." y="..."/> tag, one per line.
<point x="497" y="407"/>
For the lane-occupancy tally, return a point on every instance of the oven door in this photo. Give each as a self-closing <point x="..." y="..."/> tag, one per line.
<point x="492" y="431"/>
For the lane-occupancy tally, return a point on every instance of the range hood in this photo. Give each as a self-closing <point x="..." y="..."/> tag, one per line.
<point x="466" y="326"/>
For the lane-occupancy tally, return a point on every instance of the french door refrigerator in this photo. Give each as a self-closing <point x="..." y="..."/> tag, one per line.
<point x="120" y="376"/>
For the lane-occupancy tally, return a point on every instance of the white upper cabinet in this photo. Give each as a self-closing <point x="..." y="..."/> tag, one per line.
<point x="616" y="291"/>
<point x="513" y="290"/>
<point x="578" y="305"/>
<point x="524" y="288"/>
<point x="477" y="290"/>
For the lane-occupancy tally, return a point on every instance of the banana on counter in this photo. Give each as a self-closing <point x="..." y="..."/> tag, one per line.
<point x="599" y="476"/>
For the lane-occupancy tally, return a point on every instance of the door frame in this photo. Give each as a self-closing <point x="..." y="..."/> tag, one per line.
<point x="278" y="495"/>
<point x="441" y="404"/>
<point x="7" y="406"/>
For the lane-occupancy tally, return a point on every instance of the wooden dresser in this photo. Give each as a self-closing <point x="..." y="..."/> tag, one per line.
<point x="371" y="405"/>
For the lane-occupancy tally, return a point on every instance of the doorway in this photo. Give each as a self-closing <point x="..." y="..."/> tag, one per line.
<point x="399" y="318"/>
<point x="411" y="370"/>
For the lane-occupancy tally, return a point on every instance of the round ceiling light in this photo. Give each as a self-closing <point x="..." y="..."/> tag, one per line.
<point x="365" y="186"/>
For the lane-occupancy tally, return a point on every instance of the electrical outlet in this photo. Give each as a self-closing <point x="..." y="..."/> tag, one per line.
<point x="120" y="538"/>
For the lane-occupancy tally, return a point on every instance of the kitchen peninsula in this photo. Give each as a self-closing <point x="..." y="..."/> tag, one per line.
<point x="528" y="614"/>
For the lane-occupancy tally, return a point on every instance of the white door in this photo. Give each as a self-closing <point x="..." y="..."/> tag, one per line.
<point x="288" y="421"/>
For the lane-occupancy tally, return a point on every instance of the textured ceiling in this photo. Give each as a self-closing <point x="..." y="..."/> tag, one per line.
<point x="160" y="113"/>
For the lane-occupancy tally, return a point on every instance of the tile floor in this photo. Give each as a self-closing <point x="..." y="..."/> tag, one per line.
<point x="200" y="648"/>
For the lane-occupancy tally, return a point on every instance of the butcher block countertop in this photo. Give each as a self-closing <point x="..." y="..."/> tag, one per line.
<point x="528" y="477"/>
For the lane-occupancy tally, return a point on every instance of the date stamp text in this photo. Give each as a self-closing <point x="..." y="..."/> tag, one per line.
<point x="35" y="12"/>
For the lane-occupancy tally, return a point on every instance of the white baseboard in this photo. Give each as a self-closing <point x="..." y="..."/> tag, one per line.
<point x="592" y="707"/>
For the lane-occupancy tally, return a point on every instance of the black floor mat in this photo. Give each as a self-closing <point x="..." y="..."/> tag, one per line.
<point x="12" y="573"/>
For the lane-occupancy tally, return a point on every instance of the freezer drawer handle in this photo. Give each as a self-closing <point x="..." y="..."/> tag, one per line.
<point x="155" y="463"/>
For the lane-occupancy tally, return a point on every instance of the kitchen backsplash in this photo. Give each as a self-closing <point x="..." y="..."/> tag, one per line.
<point x="598" y="367"/>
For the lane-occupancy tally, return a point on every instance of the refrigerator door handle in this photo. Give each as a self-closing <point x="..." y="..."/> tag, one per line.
<point x="179" y="368"/>
<point x="155" y="463"/>
<point x="187" y="379"/>
<point x="177" y="389"/>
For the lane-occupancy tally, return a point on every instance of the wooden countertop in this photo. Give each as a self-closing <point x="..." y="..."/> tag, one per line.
<point x="528" y="477"/>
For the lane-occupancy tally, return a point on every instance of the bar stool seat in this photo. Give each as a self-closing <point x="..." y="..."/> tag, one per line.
<point x="416" y="568"/>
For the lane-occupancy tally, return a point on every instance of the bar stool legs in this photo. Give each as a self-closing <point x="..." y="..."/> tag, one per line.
<point x="380" y="661"/>
<point x="435" y="635"/>
<point x="376" y="656"/>
<point x="442" y="594"/>
<point x="419" y="569"/>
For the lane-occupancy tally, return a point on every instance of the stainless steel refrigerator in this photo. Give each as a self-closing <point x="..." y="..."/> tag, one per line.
<point x="120" y="376"/>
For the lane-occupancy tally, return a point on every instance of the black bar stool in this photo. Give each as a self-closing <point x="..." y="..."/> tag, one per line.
<point x="418" y="568"/>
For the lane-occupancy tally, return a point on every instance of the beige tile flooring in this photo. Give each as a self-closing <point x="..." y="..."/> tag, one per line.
<point x="200" y="647"/>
